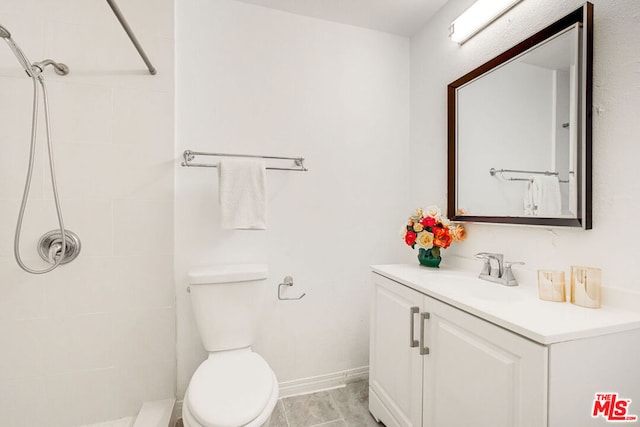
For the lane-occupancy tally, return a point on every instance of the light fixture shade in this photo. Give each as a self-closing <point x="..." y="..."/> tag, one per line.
<point x="478" y="16"/>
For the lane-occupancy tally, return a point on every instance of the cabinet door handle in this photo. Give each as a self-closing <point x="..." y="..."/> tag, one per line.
<point x="423" y="348"/>
<point x="412" y="312"/>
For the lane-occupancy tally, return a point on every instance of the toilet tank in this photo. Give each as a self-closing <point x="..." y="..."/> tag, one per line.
<point x="227" y="302"/>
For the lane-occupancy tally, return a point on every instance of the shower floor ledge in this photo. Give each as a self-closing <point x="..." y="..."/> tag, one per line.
<point x="158" y="413"/>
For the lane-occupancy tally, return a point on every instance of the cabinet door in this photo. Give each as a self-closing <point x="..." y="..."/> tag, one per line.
<point x="478" y="374"/>
<point x="395" y="365"/>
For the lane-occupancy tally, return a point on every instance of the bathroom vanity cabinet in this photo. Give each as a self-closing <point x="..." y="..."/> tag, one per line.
<point x="443" y="353"/>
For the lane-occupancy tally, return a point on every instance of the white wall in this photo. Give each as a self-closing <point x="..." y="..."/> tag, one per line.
<point x="96" y="338"/>
<point x="562" y="137"/>
<point x="516" y="143"/>
<point x="259" y="81"/>
<point x="611" y="245"/>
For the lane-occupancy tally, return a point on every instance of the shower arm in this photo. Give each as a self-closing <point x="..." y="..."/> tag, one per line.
<point x="60" y="68"/>
<point x="134" y="40"/>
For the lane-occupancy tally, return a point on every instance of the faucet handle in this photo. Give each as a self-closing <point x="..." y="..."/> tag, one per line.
<point x="509" y="278"/>
<point x="508" y="264"/>
<point x="486" y="267"/>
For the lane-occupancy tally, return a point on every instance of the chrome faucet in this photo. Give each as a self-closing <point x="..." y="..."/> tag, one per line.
<point x="496" y="269"/>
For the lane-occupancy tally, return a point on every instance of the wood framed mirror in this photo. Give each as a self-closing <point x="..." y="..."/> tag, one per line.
<point x="519" y="131"/>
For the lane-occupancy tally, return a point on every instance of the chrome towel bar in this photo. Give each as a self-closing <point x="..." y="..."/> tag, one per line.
<point x="189" y="156"/>
<point x="494" y="171"/>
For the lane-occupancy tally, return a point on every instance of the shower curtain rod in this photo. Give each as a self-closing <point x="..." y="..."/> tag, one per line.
<point x="134" y="40"/>
<point x="189" y="155"/>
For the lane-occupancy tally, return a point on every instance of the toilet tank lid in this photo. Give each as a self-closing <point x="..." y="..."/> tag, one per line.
<point x="228" y="273"/>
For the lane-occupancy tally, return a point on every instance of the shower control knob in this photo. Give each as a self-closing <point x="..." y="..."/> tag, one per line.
<point x="50" y="246"/>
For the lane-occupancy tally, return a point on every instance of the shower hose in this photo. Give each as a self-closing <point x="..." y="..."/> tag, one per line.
<point x="56" y="251"/>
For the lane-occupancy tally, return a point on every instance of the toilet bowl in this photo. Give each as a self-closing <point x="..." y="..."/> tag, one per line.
<point x="230" y="389"/>
<point x="234" y="386"/>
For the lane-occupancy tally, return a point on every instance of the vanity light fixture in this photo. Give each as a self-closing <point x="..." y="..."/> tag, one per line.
<point x="477" y="17"/>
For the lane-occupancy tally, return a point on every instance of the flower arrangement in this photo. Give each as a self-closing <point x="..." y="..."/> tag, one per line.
<point x="430" y="231"/>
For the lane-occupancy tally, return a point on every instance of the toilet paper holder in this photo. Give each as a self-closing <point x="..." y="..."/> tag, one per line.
<point x="287" y="281"/>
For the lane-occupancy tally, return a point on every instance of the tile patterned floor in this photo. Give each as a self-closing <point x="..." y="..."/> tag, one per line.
<point x="340" y="407"/>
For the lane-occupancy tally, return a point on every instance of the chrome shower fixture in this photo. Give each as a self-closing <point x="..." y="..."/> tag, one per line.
<point x="58" y="246"/>
<point x="22" y="58"/>
<point x="4" y="33"/>
<point x="32" y="69"/>
<point x="60" y="68"/>
<point x="50" y="246"/>
<point x="37" y="68"/>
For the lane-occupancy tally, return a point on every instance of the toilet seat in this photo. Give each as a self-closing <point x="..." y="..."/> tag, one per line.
<point x="232" y="389"/>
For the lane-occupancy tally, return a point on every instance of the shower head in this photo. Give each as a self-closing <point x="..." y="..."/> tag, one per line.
<point x="22" y="58"/>
<point x="4" y="33"/>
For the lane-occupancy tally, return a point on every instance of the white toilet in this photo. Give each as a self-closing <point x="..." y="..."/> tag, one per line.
<point x="234" y="387"/>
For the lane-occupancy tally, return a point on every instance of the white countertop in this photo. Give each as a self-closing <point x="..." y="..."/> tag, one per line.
<point x="516" y="308"/>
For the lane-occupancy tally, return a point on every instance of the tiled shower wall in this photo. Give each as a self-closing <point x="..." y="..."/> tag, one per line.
<point x="96" y="338"/>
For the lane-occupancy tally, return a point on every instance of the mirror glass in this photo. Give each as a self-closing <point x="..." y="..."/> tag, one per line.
<point x="519" y="135"/>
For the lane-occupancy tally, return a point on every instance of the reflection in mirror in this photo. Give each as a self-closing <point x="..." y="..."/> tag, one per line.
<point x="530" y="146"/>
<point x="519" y="135"/>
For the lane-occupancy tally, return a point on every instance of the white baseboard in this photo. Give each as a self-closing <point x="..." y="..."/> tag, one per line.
<point x="323" y="382"/>
<point x="311" y="384"/>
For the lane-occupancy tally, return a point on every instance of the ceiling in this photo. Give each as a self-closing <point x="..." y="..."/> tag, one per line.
<point x="402" y="17"/>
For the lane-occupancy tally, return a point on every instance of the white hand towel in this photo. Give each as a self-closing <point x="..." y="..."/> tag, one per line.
<point x="573" y="195"/>
<point x="546" y="196"/>
<point x="529" y="204"/>
<point x="243" y="194"/>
